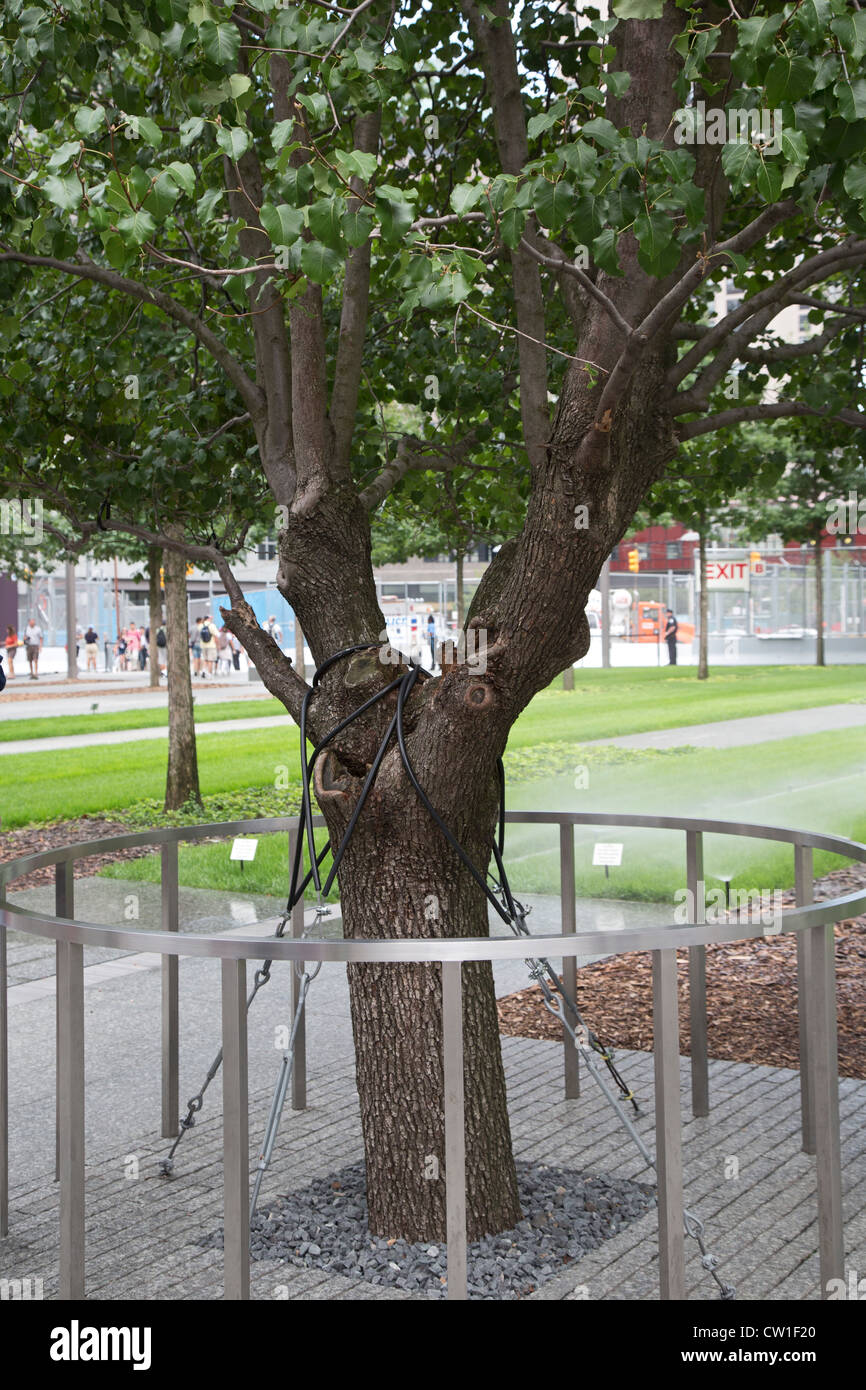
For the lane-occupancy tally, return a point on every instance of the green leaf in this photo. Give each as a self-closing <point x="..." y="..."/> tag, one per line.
<point x="183" y="175"/>
<point x="769" y="181"/>
<point x="553" y="202"/>
<point x="465" y="196"/>
<point x="234" y="140"/>
<point x="537" y="125"/>
<point x="852" y="98"/>
<point x="324" y="219"/>
<point x="511" y="227"/>
<point x="162" y="196"/>
<point x="603" y="131"/>
<point x="319" y="263"/>
<point x="221" y="43"/>
<point x="190" y="130"/>
<point x="88" y="119"/>
<point x="64" y="193"/>
<point x="282" y="223"/>
<point x="317" y="105"/>
<point x="604" y="251"/>
<point x="854" y="181"/>
<point x="395" y="218"/>
<point x="136" y="227"/>
<point x="206" y="204"/>
<point x="788" y="78"/>
<point x="356" y="163"/>
<point x="738" y="162"/>
<point x="149" y="131"/>
<point x="282" y="134"/>
<point x="654" y="232"/>
<point x="356" y="226"/>
<point x="756" y="35"/>
<point x="810" y="118"/>
<point x="638" y="9"/>
<point x="814" y="17"/>
<point x="580" y="158"/>
<point x="794" y="147"/>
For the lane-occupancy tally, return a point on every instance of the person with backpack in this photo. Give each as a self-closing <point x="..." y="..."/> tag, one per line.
<point x="208" y="645"/>
<point x="195" y="647"/>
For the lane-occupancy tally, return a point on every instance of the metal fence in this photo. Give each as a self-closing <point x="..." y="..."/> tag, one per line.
<point x="819" y="1092"/>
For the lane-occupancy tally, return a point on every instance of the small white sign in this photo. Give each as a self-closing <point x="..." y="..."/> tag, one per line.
<point x="726" y="574"/>
<point x="243" y="848"/>
<point x="607" y="854"/>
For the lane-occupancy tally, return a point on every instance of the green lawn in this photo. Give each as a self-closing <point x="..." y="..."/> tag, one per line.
<point x="604" y="704"/>
<point x="37" y="787"/>
<point x="814" y="781"/>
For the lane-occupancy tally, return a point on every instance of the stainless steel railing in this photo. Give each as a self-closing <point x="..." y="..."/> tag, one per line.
<point x="816" y="1008"/>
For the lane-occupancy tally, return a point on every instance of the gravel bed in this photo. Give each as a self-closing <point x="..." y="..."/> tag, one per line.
<point x="566" y="1214"/>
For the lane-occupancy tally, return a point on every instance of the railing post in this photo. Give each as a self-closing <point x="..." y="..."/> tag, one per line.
<point x="70" y="1089"/>
<point x="299" y="1070"/>
<point x="64" y="906"/>
<point x="455" y="1133"/>
<point x="804" y="890"/>
<point x="569" y="965"/>
<point x="4" y="1082"/>
<point x="236" y="1132"/>
<point x="697" y="976"/>
<point x="170" y="999"/>
<point x="669" y="1156"/>
<point x="820" y="965"/>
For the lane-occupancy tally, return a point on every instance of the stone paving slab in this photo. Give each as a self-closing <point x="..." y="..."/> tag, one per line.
<point x="142" y="1230"/>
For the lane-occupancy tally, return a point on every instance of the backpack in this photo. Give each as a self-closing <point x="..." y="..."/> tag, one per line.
<point x="121" y="647"/>
<point x="205" y="633"/>
<point x="160" y="637"/>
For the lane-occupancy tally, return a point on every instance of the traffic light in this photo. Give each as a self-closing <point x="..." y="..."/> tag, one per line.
<point x="634" y="560"/>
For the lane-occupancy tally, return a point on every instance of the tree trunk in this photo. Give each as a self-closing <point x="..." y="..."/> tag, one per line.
<point x="819" y="604"/>
<point x="401" y="878"/>
<point x="182" y="777"/>
<point x="703" y="638"/>
<point x="71" y="623"/>
<point x="154" y="600"/>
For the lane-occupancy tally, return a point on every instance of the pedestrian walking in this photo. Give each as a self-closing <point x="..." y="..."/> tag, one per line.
<point x="431" y="637"/>
<point x="235" y="646"/>
<point x="671" y="627"/>
<point x="275" y="630"/>
<point x="208" y="645"/>
<point x="33" y="640"/>
<point x="11" y="645"/>
<point x="91" y="649"/>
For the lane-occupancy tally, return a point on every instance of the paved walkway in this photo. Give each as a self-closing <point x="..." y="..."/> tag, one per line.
<point x="758" y="728"/>
<point x="49" y="745"/>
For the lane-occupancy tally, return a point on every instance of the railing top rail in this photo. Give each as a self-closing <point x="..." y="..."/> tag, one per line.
<point x="609" y="942"/>
<point x="834" y="844"/>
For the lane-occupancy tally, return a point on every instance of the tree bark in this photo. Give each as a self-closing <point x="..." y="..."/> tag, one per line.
<point x="703" y="637"/>
<point x="154" y="601"/>
<point x="819" y="604"/>
<point x="300" y="659"/>
<point x="181" y="783"/>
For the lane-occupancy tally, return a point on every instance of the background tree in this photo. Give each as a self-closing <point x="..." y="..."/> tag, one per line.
<point x="359" y="187"/>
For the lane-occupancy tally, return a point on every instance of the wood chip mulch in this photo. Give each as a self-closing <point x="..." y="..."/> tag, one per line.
<point x="32" y="839"/>
<point x="751" y="996"/>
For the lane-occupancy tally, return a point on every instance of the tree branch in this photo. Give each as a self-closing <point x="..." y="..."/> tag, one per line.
<point x="411" y="458"/>
<point x="769" y="410"/>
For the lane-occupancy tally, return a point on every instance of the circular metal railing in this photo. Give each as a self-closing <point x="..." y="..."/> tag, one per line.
<point x="816" y="1004"/>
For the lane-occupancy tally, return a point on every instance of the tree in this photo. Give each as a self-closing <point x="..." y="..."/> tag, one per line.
<point x="321" y="201"/>
<point x="818" y="467"/>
